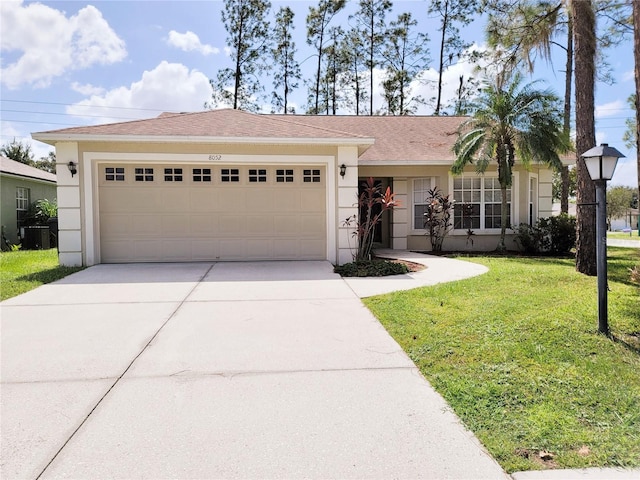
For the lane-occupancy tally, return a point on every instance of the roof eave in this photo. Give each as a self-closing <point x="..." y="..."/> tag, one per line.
<point x="53" y="138"/>
<point x="28" y="177"/>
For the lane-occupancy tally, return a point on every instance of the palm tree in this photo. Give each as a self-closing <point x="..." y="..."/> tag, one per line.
<point x="511" y="121"/>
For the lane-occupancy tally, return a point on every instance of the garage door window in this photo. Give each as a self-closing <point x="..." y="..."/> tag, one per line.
<point x="172" y="174"/>
<point x="257" y="175"/>
<point x="201" y="174"/>
<point x="284" y="176"/>
<point x="144" y="174"/>
<point x="114" y="174"/>
<point x="311" y="176"/>
<point x="230" y="175"/>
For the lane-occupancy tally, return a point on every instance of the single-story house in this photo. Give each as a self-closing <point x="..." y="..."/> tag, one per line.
<point x="21" y="185"/>
<point x="232" y="185"/>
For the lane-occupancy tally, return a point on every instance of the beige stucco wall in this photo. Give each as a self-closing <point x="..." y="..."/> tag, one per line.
<point x="38" y="190"/>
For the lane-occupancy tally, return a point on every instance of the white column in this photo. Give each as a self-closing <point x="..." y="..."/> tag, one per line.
<point x="347" y="203"/>
<point x="69" y="205"/>
<point x="401" y="215"/>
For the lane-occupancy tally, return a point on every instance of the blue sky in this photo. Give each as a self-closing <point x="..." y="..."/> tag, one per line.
<point x="88" y="62"/>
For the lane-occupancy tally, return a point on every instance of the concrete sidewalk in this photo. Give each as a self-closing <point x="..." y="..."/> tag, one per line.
<point x="227" y="370"/>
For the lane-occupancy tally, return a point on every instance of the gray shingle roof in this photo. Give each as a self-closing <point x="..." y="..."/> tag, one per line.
<point x="419" y="139"/>
<point x="22" y="170"/>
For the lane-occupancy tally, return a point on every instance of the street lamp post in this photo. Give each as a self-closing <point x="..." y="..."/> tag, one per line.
<point x="601" y="163"/>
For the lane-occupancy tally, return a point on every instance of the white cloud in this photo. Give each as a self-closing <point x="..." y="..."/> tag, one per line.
<point x="610" y="109"/>
<point x="50" y="43"/>
<point x="86" y="89"/>
<point x="168" y="87"/>
<point x="427" y="83"/>
<point x="189" y="42"/>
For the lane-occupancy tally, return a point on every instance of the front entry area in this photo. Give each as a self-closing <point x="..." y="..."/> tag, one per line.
<point x="179" y="212"/>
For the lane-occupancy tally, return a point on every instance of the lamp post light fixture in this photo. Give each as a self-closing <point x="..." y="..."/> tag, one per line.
<point x="601" y="163"/>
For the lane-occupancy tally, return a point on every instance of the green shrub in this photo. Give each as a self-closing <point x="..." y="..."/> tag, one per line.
<point x="553" y="235"/>
<point x="371" y="268"/>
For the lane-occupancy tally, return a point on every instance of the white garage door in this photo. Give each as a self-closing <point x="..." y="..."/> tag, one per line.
<point x="177" y="213"/>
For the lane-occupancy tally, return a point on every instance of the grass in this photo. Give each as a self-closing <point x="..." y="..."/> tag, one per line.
<point x="517" y="355"/>
<point x="624" y="235"/>
<point x="24" y="270"/>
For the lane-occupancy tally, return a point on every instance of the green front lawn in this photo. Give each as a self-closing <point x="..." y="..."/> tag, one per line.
<point x="517" y="355"/>
<point x="25" y="270"/>
<point x="624" y="235"/>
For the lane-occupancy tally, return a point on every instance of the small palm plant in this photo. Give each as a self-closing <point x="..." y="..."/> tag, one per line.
<point x="511" y="121"/>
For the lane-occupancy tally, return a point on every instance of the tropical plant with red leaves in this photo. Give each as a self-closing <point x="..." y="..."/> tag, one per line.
<point x="373" y="202"/>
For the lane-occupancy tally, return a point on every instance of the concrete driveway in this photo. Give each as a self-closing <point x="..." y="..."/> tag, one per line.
<point x="226" y="370"/>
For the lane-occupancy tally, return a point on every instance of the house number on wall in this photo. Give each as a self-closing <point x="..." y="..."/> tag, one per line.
<point x="215" y="158"/>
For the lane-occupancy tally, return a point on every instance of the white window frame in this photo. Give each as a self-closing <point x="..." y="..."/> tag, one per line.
<point x="419" y="188"/>
<point x="514" y="201"/>
<point x="23" y="195"/>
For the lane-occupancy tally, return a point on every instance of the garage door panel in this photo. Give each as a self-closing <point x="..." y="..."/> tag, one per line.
<point x="175" y="225"/>
<point x="117" y="251"/>
<point x="231" y="200"/>
<point x="259" y="248"/>
<point x="231" y="226"/>
<point x="176" y="249"/>
<point x="176" y="200"/>
<point x="145" y="225"/>
<point x="312" y="200"/>
<point x="204" y="200"/>
<point x="287" y="224"/>
<point x="233" y="249"/>
<point x="203" y="224"/>
<point x="312" y="249"/>
<point x="259" y="200"/>
<point x="286" y="200"/>
<point x="146" y="249"/>
<point x="159" y="221"/>
<point x="259" y="225"/>
<point x="131" y="199"/>
<point x="116" y="224"/>
<point x="312" y="225"/>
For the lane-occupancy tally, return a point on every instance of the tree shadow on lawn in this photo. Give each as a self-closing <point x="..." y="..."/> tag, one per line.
<point x="49" y="275"/>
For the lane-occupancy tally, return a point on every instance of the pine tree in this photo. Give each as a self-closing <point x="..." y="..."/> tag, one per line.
<point x="287" y="69"/>
<point x="318" y="21"/>
<point x="405" y="57"/>
<point x="371" y="28"/>
<point x="248" y="40"/>
<point x="452" y="46"/>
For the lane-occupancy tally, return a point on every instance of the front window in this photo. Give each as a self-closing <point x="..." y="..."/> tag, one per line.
<point x="478" y="203"/>
<point x="22" y="204"/>
<point x="421" y="187"/>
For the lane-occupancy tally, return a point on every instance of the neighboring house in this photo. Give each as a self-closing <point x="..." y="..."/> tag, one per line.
<point x="231" y="185"/>
<point x="21" y="185"/>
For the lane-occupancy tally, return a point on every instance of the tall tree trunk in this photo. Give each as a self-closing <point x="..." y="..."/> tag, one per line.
<point x="502" y="246"/>
<point x="564" y="173"/>
<point x="636" y="56"/>
<point x="371" y="58"/>
<point x="441" y="67"/>
<point x="584" y="27"/>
